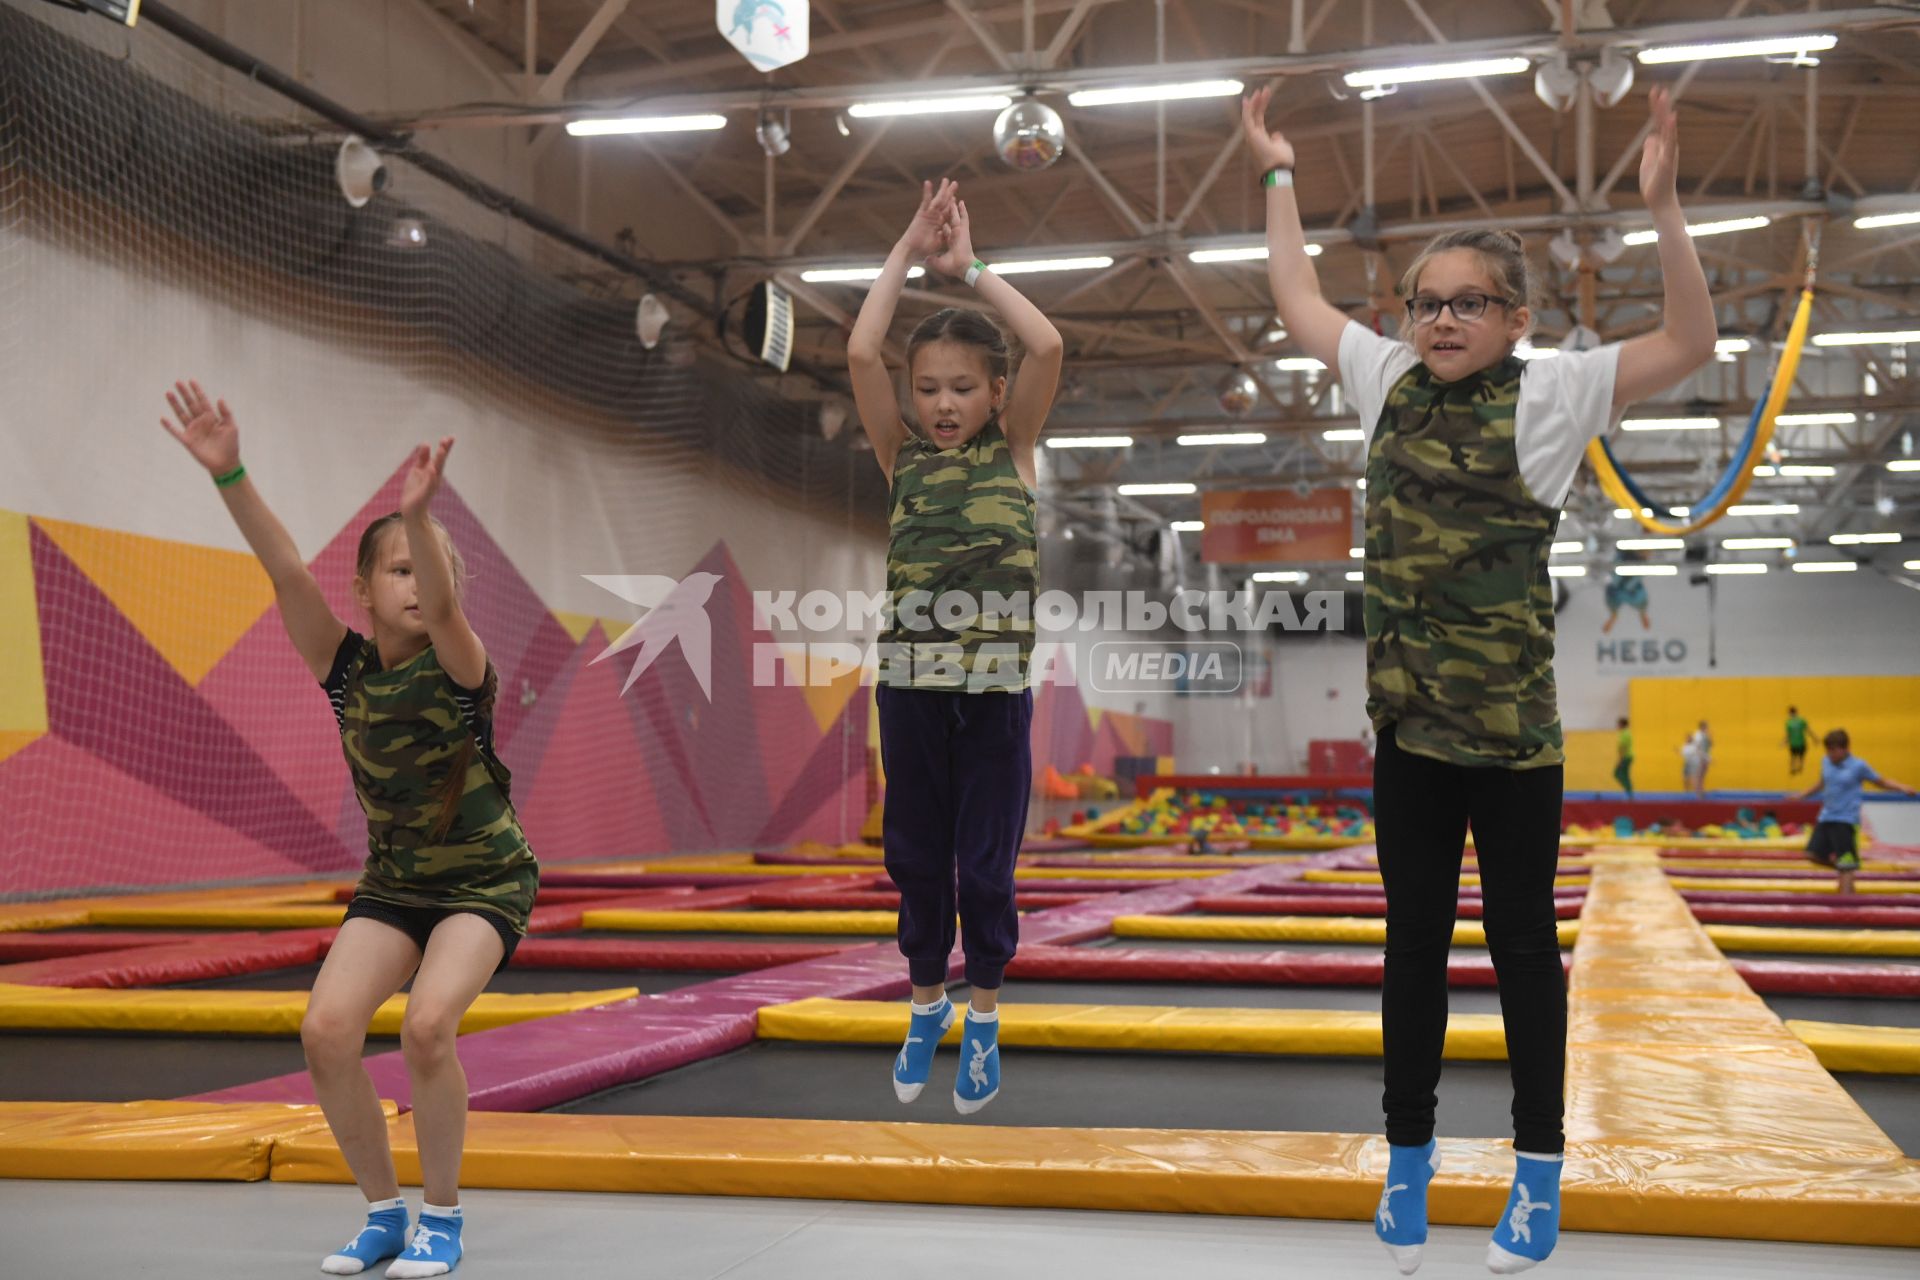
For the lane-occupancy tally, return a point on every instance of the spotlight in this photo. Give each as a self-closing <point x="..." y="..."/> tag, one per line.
<point x="650" y="318"/>
<point x="776" y="136"/>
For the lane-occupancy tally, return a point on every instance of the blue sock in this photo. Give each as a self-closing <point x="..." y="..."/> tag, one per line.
<point x="436" y="1245"/>
<point x="979" y="1078"/>
<point x="384" y="1236"/>
<point x="1530" y="1227"/>
<point x="915" y="1061"/>
<point x="1401" y="1219"/>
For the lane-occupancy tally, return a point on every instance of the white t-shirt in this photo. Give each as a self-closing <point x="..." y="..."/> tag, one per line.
<point x="1564" y="402"/>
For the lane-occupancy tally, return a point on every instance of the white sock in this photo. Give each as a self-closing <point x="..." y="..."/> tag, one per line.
<point x="1548" y="1159"/>
<point x="380" y="1206"/>
<point x="927" y="1008"/>
<point x="441" y="1210"/>
<point x="977" y="1016"/>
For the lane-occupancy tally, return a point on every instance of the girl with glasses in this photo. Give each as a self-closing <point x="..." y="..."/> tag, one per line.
<point x="1470" y="455"/>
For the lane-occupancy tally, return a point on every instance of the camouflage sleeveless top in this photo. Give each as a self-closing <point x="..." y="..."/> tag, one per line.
<point x="961" y="526"/>
<point x="1459" y="605"/>
<point x="441" y="831"/>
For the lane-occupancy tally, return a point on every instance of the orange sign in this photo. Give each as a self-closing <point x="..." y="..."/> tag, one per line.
<point x="1276" y="526"/>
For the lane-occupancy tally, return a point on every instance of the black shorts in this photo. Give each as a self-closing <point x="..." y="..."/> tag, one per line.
<point x="1797" y="753"/>
<point x="1829" y="841"/>
<point x="418" y="923"/>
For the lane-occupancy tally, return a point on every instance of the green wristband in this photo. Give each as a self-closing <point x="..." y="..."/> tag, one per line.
<point x="973" y="272"/>
<point x="232" y="477"/>
<point x="1278" y="176"/>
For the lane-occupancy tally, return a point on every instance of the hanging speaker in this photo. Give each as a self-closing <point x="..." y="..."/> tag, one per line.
<point x="768" y="324"/>
<point x="649" y="320"/>
<point x="360" y="172"/>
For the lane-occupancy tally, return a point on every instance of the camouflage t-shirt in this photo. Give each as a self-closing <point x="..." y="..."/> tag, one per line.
<point x="1459" y="604"/>
<point x="441" y="830"/>
<point x="962" y="568"/>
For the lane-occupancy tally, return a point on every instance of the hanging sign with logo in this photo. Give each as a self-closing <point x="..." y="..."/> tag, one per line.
<point x="768" y="33"/>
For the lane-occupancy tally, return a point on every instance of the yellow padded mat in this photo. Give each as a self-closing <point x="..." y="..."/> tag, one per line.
<point x="1140" y="1028"/>
<point x="220" y="917"/>
<point x="1832" y="942"/>
<point x="1845" y="1196"/>
<point x="198" y="1141"/>
<point x="877" y="923"/>
<point x="259" y="1013"/>
<point x="1843" y="1047"/>
<point x="1355" y="929"/>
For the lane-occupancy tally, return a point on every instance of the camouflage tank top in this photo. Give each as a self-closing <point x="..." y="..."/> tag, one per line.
<point x="441" y="830"/>
<point x="1459" y="605"/>
<point x="962" y="568"/>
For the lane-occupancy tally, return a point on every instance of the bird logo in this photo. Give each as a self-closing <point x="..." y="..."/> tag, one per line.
<point x="676" y="610"/>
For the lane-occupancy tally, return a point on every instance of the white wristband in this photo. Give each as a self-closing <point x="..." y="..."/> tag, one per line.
<point x="973" y="272"/>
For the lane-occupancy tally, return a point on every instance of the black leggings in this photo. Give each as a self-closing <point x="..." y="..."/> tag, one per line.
<point x="1422" y="809"/>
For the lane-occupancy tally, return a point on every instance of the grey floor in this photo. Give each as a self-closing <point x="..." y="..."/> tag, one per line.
<point x="195" y="1231"/>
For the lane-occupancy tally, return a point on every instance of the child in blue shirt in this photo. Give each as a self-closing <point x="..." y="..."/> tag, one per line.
<point x="1842" y="776"/>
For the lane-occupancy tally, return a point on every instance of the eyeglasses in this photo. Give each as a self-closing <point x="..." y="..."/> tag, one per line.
<point x="1466" y="307"/>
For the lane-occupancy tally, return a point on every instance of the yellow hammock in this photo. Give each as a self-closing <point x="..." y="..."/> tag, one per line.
<point x="1733" y="485"/>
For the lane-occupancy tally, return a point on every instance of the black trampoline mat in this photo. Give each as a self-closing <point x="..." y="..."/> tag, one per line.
<point x="1866" y="1011"/>
<point x="1892" y="1102"/>
<point x="68" y="1066"/>
<point x="796" y="1081"/>
<point x="1209" y="995"/>
<point x="510" y="981"/>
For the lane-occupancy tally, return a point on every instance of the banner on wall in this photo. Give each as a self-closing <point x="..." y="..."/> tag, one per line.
<point x="768" y="33"/>
<point x="1276" y="526"/>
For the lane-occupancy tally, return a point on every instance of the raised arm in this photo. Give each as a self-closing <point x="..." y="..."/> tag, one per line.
<point x="1038" y="376"/>
<point x="1315" y="323"/>
<point x="873" y="392"/>
<point x="208" y="431"/>
<point x="459" y="650"/>
<point x="1684" y="341"/>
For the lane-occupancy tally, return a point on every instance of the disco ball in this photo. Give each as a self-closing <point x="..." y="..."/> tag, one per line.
<point x="1028" y="135"/>
<point x="1239" y="393"/>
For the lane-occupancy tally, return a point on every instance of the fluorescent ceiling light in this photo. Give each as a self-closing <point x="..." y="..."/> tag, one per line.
<point x="1732" y="346"/>
<point x="1356" y="553"/>
<point x="1873" y="221"/>
<point x="1049" y="264"/>
<point x="1568" y="548"/>
<point x="1736" y="568"/>
<point x="1298" y="364"/>
<point x="1765" y="509"/>
<point x="1794" y="469"/>
<point x="1361" y="484"/>
<point x="1756" y="544"/>
<point x="1863" y="339"/>
<point x="1646" y="570"/>
<point x="644" y="124"/>
<point x="1188" y="526"/>
<point x="1697" y="229"/>
<point x="1383" y="77"/>
<point x="1344" y="433"/>
<point x="1816" y="419"/>
<point x="1527" y="351"/>
<point x="1651" y="544"/>
<point x="837" y="275"/>
<point x="1566" y="571"/>
<point x="1911" y="564"/>
<point x="1247" y="253"/>
<point x="1857" y="539"/>
<point x="1904" y="464"/>
<point x="1824" y="566"/>
<point x="1148" y="490"/>
<point x="1155" y="93"/>
<point x="929" y="106"/>
<point x="1799" y="46"/>
<point x="1281" y="575"/>
<point x="1225" y="437"/>
<point x="1669" y="424"/>
<point x="1090" y="442"/>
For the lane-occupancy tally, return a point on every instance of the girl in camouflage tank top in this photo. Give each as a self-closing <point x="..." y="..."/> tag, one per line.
<point x="962" y="575"/>
<point x="449" y="879"/>
<point x="1470" y="455"/>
